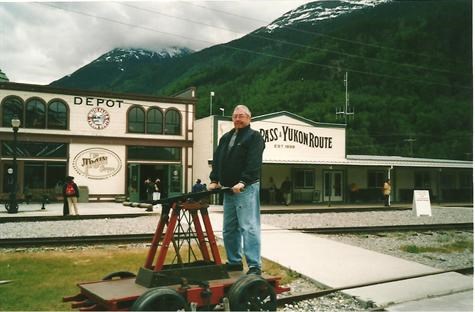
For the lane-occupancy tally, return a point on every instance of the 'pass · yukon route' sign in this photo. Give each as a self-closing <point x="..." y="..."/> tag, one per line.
<point x="97" y="163"/>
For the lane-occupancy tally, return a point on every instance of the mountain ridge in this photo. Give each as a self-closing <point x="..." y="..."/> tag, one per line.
<point x="409" y="72"/>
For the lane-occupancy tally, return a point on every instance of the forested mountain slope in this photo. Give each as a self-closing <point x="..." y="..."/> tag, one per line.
<point x="409" y="67"/>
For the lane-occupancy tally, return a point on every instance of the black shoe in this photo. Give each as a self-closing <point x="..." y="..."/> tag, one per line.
<point x="254" y="270"/>
<point x="234" y="266"/>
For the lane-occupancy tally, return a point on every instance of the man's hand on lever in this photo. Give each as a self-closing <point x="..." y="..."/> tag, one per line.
<point x="213" y="186"/>
<point x="238" y="188"/>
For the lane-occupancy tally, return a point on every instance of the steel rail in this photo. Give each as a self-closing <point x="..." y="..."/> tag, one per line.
<point x="298" y="210"/>
<point x="281" y="301"/>
<point x="388" y="228"/>
<point x="74" y="240"/>
<point x="147" y="237"/>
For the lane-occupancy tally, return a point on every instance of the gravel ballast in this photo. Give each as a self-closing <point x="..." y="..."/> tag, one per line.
<point x="388" y="243"/>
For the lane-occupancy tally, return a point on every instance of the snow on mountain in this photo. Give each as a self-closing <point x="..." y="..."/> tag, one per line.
<point x="313" y="12"/>
<point x="121" y="55"/>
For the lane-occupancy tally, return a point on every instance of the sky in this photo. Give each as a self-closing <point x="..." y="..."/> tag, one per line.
<point x="41" y="42"/>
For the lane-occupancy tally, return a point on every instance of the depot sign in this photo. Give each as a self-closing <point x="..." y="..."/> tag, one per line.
<point x="288" y="134"/>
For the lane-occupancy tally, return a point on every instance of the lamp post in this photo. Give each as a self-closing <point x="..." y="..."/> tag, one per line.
<point x="13" y="205"/>
<point x="211" y="94"/>
<point x="222" y="110"/>
<point x="330" y="182"/>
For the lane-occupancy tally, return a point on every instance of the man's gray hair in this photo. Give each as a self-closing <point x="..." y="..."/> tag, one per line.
<point x="244" y="108"/>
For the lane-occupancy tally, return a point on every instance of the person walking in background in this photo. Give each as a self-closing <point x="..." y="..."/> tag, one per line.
<point x="286" y="189"/>
<point x="149" y="189"/>
<point x="387" y="192"/>
<point x="71" y="195"/>
<point x="237" y="164"/>
<point x="272" y="190"/>
<point x="156" y="189"/>
<point x="198" y="187"/>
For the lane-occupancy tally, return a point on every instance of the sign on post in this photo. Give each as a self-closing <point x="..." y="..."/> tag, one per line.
<point x="421" y="203"/>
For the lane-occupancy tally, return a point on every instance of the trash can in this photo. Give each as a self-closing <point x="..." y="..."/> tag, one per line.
<point x="83" y="194"/>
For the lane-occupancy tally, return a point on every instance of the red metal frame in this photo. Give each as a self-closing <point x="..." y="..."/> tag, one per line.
<point x="119" y="294"/>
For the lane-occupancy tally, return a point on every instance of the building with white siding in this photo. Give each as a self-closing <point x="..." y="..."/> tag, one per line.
<point x="313" y="155"/>
<point x="109" y="142"/>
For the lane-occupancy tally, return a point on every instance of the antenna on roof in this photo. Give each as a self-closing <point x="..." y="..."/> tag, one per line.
<point x="346" y="111"/>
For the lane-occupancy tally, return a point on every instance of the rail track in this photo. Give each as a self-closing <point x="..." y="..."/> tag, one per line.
<point x="282" y="301"/>
<point x="147" y="237"/>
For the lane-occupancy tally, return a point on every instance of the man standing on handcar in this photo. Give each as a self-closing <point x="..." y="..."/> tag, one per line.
<point x="237" y="164"/>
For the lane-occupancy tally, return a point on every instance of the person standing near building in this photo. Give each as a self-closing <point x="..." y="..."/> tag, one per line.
<point x="71" y="194"/>
<point x="387" y="192"/>
<point x="198" y="187"/>
<point x="156" y="189"/>
<point x="237" y="164"/>
<point x="286" y="189"/>
<point x="272" y="190"/>
<point x="149" y="189"/>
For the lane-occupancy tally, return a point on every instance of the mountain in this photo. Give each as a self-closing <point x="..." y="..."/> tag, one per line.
<point x="313" y="12"/>
<point x="409" y="66"/>
<point x="118" y="66"/>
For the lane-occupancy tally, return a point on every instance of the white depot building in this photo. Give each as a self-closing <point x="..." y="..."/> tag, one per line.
<point x="313" y="156"/>
<point x="109" y="142"/>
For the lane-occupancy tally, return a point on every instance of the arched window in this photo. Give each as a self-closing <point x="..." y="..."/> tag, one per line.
<point x="57" y="115"/>
<point x="172" y="122"/>
<point x="12" y="106"/>
<point x="136" y="120"/>
<point x="154" y="121"/>
<point x="35" y="114"/>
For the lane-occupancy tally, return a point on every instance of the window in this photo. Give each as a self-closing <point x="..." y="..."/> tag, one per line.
<point x="172" y="122"/>
<point x="154" y="121"/>
<point x="57" y="115"/>
<point x="376" y="179"/>
<point x="34" y="175"/>
<point x="35" y="149"/>
<point x="136" y="120"/>
<point x="422" y="179"/>
<point x="44" y="175"/>
<point x="466" y="180"/>
<point x="12" y="107"/>
<point x="35" y="114"/>
<point x="447" y="180"/>
<point x="153" y="153"/>
<point x="304" y="179"/>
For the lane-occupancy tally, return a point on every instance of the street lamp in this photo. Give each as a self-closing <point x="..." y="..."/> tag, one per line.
<point x="13" y="205"/>
<point x="222" y="109"/>
<point x="211" y="94"/>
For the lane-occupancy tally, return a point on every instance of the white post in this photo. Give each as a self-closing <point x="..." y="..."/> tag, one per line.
<point x="211" y="94"/>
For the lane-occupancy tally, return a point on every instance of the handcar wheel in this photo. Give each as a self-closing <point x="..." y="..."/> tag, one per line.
<point x="252" y="293"/>
<point x="160" y="299"/>
<point x="119" y="275"/>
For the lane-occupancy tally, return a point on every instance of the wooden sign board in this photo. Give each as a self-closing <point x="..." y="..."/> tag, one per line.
<point x="421" y="203"/>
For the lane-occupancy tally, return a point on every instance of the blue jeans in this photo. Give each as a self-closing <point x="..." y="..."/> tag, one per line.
<point x="242" y="226"/>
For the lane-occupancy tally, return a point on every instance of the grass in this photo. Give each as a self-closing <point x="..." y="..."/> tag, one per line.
<point x="457" y="246"/>
<point x="41" y="279"/>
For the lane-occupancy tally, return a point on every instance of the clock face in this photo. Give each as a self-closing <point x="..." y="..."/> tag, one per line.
<point x="98" y="118"/>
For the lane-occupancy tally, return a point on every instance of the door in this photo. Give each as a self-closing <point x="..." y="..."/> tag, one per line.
<point x="333" y="186"/>
<point x="134" y="182"/>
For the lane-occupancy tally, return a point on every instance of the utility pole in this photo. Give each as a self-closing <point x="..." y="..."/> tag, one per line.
<point x="346" y="111"/>
<point x="411" y="141"/>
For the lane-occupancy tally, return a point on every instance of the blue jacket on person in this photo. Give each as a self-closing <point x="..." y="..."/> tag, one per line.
<point x="240" y="163"/>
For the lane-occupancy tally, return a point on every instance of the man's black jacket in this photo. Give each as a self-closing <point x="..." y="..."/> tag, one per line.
<point x="241" y="163"/>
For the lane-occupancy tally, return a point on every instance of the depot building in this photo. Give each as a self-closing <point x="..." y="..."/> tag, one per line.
<point x="109" y="142"/>
<point x="313" y="156"/>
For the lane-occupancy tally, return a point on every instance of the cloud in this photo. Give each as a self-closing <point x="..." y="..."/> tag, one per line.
<point x="42" y="42"/>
